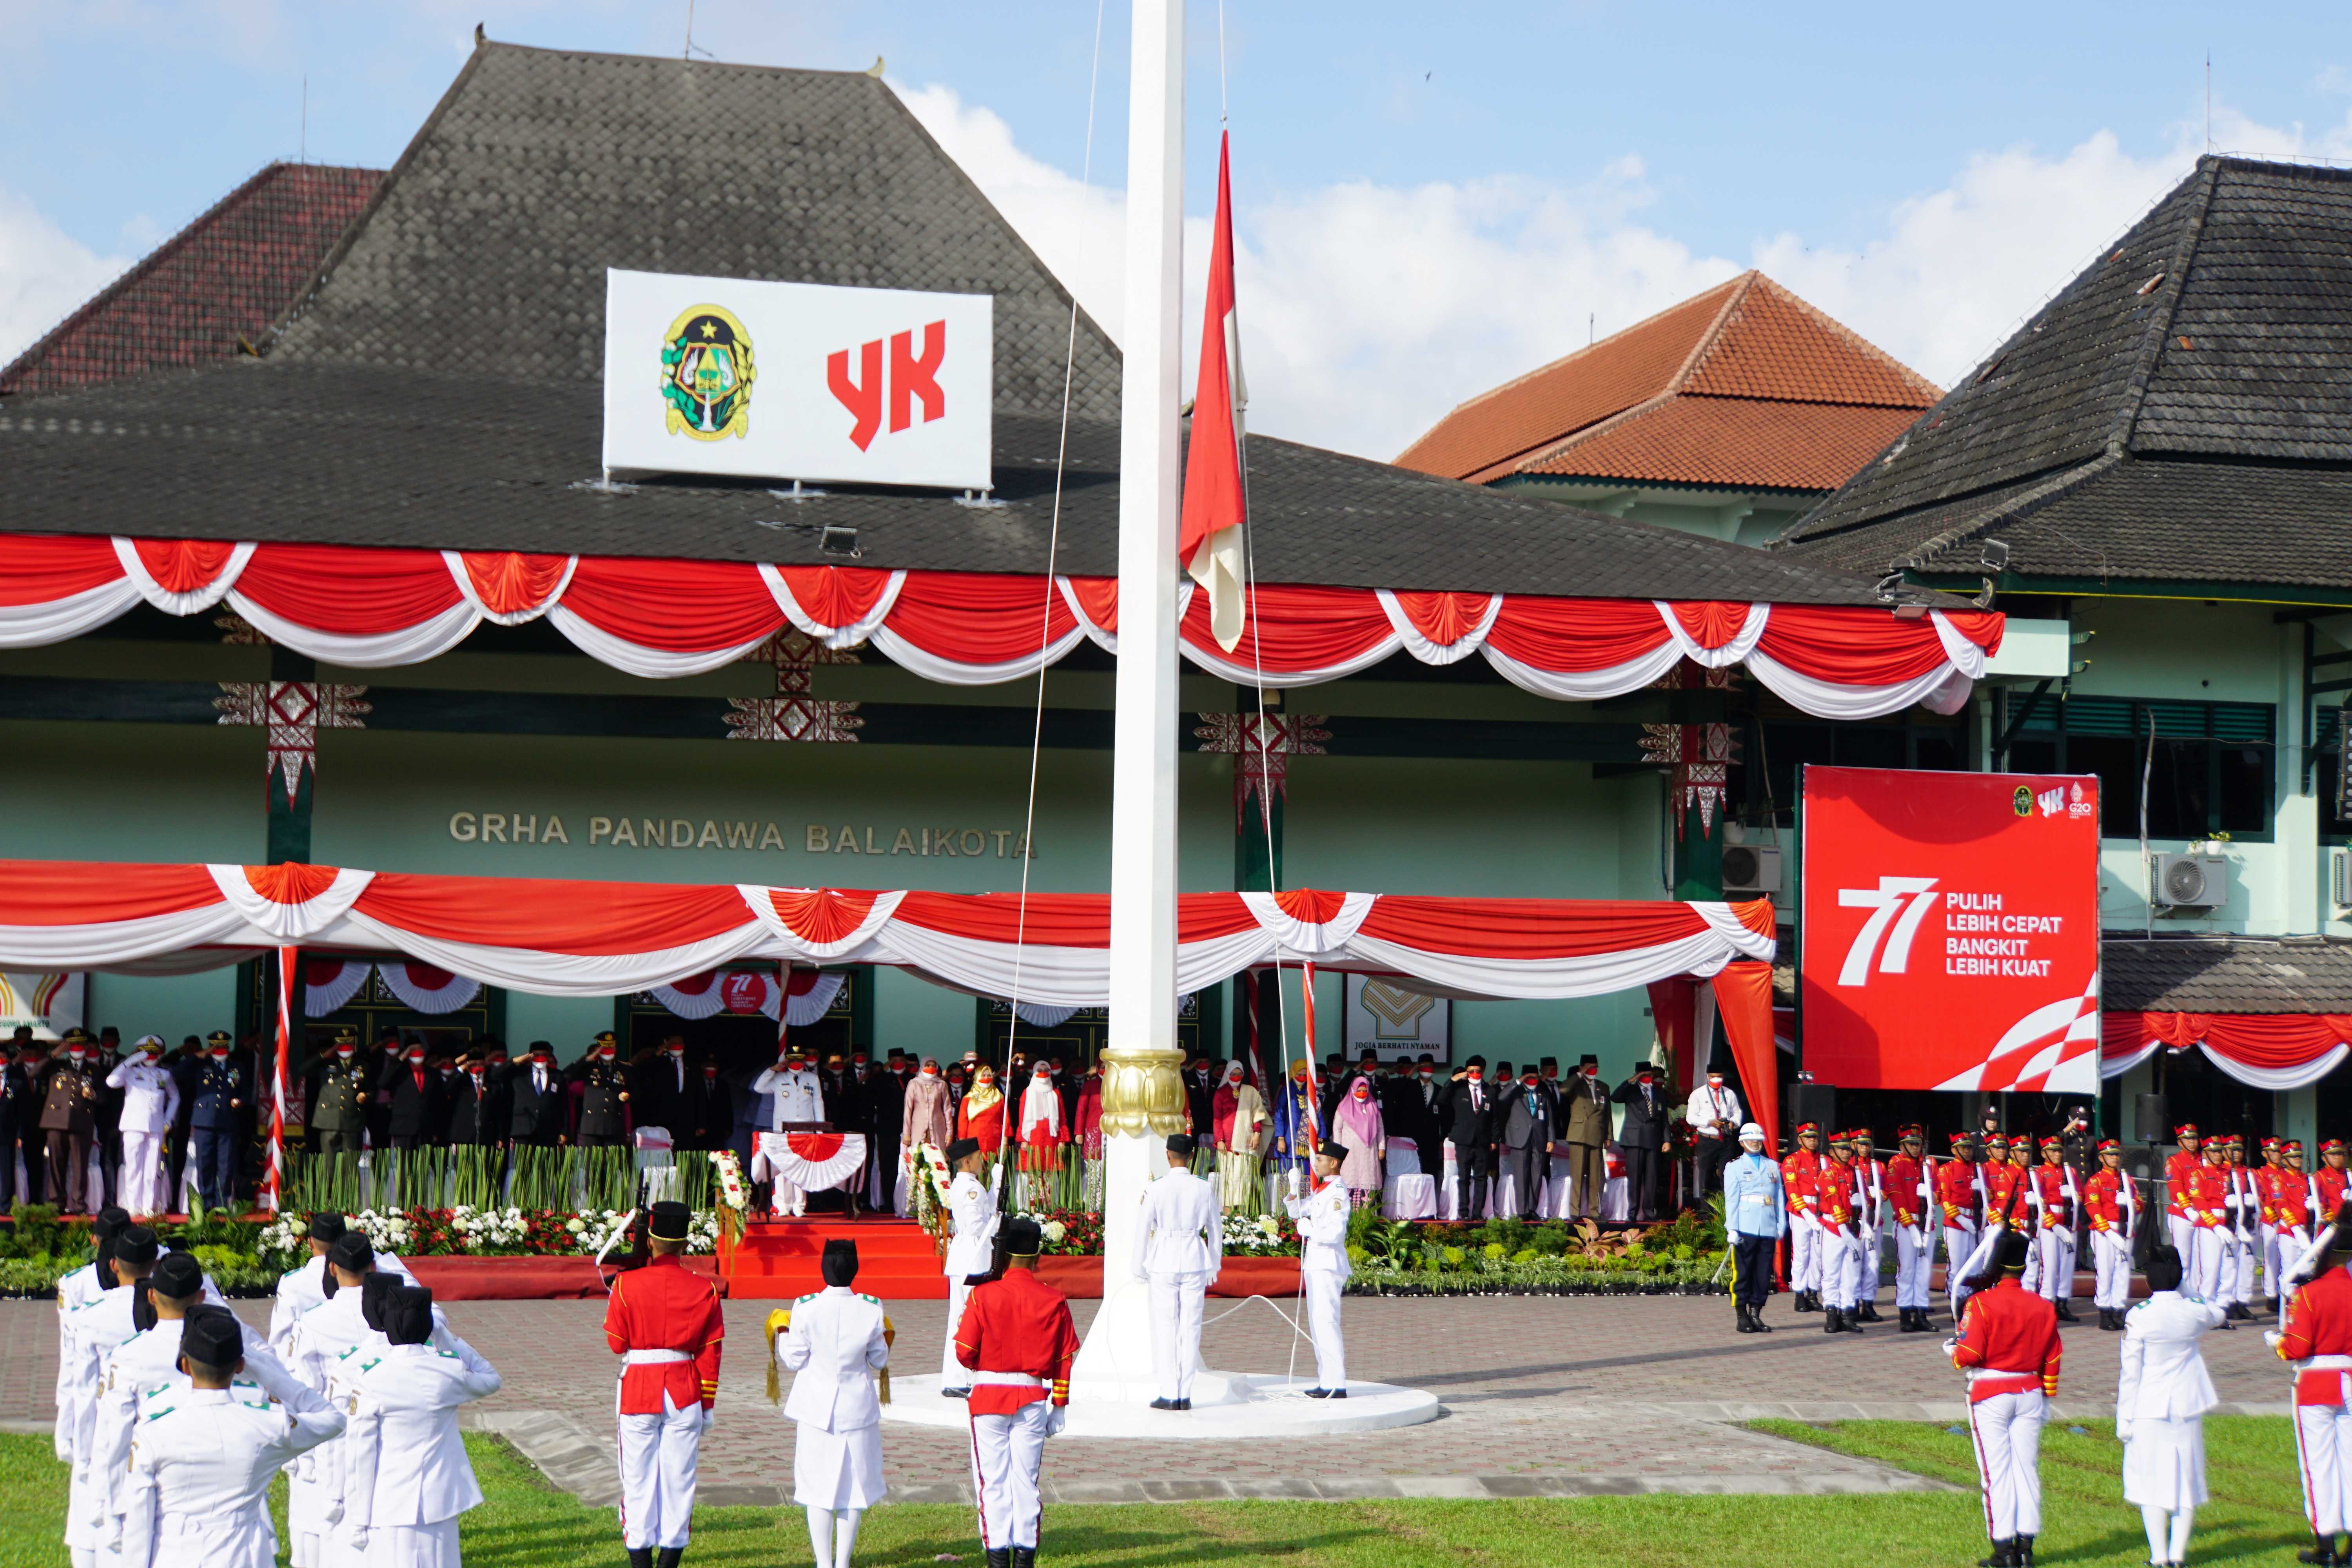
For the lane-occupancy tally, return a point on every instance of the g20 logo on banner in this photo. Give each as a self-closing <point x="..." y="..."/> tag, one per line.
<point x="1950" y="934"/>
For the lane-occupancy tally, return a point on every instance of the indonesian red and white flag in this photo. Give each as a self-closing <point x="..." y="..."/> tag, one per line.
<point x="1209" y="540"/>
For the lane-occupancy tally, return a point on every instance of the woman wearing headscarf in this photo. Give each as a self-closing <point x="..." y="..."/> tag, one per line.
<point x="1042" y="1132"/>
<point x="835" y="1343"/>
<point x="1086" y="1130"/>
<point x="1239" y="1117"/>
<point x="980" y="1117"/>
<point x="1357" y="1128"/>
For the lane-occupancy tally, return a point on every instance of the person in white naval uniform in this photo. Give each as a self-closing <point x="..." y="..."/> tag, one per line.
<point x="151" y="1099"/>
<point x="94" y="1330"/>
<point x="1321" y="1216"/>
<point x="406" y="1477"/>
<point x="833" y="1345"/>
<point x="798" y="1096"/>
<point x="2161" y="1398"/>
<point x="197" y="1492"/>
<point x="970" y="1250"/>
<point x="81" y="1285"/>
<point x="300" y="1290"/>
<point x="1178" y="1249"/>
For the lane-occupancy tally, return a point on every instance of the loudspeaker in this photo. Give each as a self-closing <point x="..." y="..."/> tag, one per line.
<point x="2148" y="1120"/>
<point x="1814" y="1102"/>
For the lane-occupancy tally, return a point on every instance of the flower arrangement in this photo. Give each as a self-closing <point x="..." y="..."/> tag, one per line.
<point x="389" y="1231"/>
<point x="1259" y="1235"/>
<point x="595" y="1229"/>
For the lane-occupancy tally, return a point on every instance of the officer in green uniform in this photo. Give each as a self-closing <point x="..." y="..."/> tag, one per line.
<point x="339" y="1098"/>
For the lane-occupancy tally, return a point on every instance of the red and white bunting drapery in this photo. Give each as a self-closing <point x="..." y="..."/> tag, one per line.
<point x="368" y="608"/>
<point x="329" y="983"/>
<point x="2266" y="1050"/>
<point x="749" y="991"/>
<point x="601" y="939"/>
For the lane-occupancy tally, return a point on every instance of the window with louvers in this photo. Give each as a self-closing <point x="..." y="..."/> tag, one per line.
<point x="2213" y="769"/>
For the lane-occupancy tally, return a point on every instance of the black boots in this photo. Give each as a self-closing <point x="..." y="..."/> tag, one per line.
<point x="2321" y="1551"/>
<point x="2021" y="1553"/>
<point x="1914" y="1320"/>
<point x="1740" y="1311"/>
<point x="641" y="1557"/>
<point x="1805" y="1301"/>
<point x="1000" y="1557"/>
<point x="1868" y="1312"/>
<point x="2065" y="1311"/>
<point x="1839" y="1320"/>
<point x="668" y="1557"/>
<point x="2004" y="1556"/>
<point x="1024" y="1557"/>
<point x="2111" y="1320"/>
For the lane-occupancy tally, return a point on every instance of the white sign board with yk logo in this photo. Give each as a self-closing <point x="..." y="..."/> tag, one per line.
<point x="797" y="381"/>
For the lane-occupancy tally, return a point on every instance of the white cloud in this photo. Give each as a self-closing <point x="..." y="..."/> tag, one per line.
<point x="1369" y="310"/>
<point x="44" y="274"/>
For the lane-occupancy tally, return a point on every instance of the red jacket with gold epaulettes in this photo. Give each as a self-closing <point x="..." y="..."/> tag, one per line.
<point x="2009" y="1337"/>
<point x="2319" y="1323"/>
<point x="1956" y="1191"/>
<point x="1016" y="1324"/>
<point x="1800" y="1180"/>
<point x="2203" y="1196"/>
<point x="1902" y="1178"/>
<point x="666" y="1306"/>
<point x="2176" y="1167"/>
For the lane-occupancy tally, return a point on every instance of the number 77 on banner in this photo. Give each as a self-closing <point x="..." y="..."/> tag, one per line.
<point x="1884" y="901"/>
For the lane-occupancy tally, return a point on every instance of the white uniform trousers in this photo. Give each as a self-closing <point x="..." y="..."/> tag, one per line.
<point x="2322" y="1451"/>
<point x="2007" y="1432"/>
<point x="1959" y="1240"/>
<point x="1805" y="1252"/>
<point x="2246" y="1253"/>
<point x="1840" y="1253"/>
<point x="2111" y="1262"/>
<point x="1915" y="1263"/>
<point x="1322" y="1287"/>
<point x="431" y="1546"/>
<point x="2055" y="1248"/>
<point x="951" y="1371"/>
<point x="2032" y="1281"/>
<point x="1007" y="1451"/>
<point x="1869" y="1261"/>
<point x="659" y="1454"/>
<point x="2183" y="1236"/>
<point x="1176" y="1331"/>
<point x="2268" y="1256"/>
<point x="141" y="1188"/>
<point x="2290" y="1245"/>
<point x="2207" y="1257"/>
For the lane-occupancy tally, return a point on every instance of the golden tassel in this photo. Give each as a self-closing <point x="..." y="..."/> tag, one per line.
<point x="778" y="1322"/>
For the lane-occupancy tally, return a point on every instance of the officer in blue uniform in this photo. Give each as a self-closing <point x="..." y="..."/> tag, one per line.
<point x="218" y="1095"/>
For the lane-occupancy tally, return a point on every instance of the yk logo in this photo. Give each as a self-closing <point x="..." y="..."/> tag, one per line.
<point x="913" y="377"/>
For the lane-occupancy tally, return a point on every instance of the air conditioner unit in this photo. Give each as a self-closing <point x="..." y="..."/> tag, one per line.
<point x="1750" y="868"/>
<point x="2192" y="881"/>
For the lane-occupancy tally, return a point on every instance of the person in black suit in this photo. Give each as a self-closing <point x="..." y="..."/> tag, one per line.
<point x="1201" y="1096"/>
<point x="708" y="1109"/>
<point x="1410" y="1113"/>
<point x="1467" y="1115"/>
<point x="478" y="1112"/>
<point x="412" y="1095"/>
<point x="538" y="1098"/>
<point x="887" y="1113"/>
<point x="660" y="1088"/>
<point x="1523" y="1136"/>
<point x="18" y="1111"/>
<point x="1643" y="1139"/>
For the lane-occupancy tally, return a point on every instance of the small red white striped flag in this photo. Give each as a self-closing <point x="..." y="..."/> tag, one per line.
<point x="1209" y="538"/>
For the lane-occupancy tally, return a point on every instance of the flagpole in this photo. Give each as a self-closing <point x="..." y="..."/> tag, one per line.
<point x="1142" y="1099"/>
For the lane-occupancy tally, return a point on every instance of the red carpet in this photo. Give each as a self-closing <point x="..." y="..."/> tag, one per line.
<point x="518" y="1279"/>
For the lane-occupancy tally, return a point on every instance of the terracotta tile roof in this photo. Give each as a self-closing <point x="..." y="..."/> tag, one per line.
<point x="1730" y="441"/>
<point x="228" y="275"/>
<point x="1744" y="345"/>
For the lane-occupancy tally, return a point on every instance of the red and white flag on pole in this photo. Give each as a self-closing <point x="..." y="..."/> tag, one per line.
<point x="1209" y="541"/>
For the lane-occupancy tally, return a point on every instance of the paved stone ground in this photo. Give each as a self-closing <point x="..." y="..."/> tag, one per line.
<point x="1543" y="1397"/>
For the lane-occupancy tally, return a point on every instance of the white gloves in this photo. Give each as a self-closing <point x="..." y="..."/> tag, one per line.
<point x="1058" y="1417"/>
<point x="358" y="1539"/>
<point x="709" y="1417"/>
<point x="2123" y="1431"/>
<point x="1298" y="1184"/>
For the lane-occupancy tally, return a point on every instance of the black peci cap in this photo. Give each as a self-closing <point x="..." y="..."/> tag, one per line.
<point x="135" y="1245"/>
<point x="1181" y="1144"/>
<point x="327" y="1225"/>
<point x="667" y="1221"/>
<point x="839" y="1263"/>
<point x="213" y="1339"/>
<point x="962" y="1149"/>
<point x="408" y="1315"/>
<point x="177" y="1276"/>
<point x="1022" y="1237"/>
<point x="375" y="1297"/>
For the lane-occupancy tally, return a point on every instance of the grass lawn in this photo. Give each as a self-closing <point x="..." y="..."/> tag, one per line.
<point x="2255" y="1518"/>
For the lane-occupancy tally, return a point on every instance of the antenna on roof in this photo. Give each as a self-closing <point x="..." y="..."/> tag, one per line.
<point x="302" y="140"/>
<point x="1592" y="319"/>
<point x="688" y="53"/>
<point x="2208" y="98"/>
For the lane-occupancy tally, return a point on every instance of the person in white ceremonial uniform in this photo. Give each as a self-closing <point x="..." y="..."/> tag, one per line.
<point x="95" y="1330"/>
<point x="151" y="1099"/>
<point x="196" y="1487"/>
<point x="972" y="1208"/>
<point x="2161" y="1398"/>
<point x="1712" y="1114"/>
<point x="300" y="1289"/>
<point x="1178" y="1252"/>
<point x="833" y="1345"/>
<point x="406" y="1477"/>
<point x="75" y="1289"/>
<point x="1321" y="1216"/>
<point x="798" y="1097"/>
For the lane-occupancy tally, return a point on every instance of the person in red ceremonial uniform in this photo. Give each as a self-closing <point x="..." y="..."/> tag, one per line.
<point x="2295" y="1214"/>
<point x="2178" y="1228"/>
<point x="2317" y="1341"/>
<point x="2009" y="1347"/>
<point x="2268" y="1175"/>
<point x="2057" y="1200"/>
<point x="1959" y="1194"/>
<point x="1870" y="1224"/>
<point x="1909" y="1193"/>
<point x="1018" y="1339"/>
<point x="2111" y="1211"/>
<point x="1840" y="1249"/>
<point x="1801" y="1179"/>
<point x="2204" y="1197"/>
<point x="665" y="1325"/>
<point x="2331" y="1180"/>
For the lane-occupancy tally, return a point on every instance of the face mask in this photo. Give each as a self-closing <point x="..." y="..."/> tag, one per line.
<point x="1715" y="1080"/>
<point x="1476" y="1074"/>
<point x="931" y="1069"/>
<point x="674" y="1050"/>
<point x="220" y="1053"/>
<point x="1530" y="1081"/>
<point x="343" y="1052"/>
<point x="1586" y="1072"/>
<point x="1426" y="1074"/>
<point x="1363" y="1091"/>
<point x="475" y="1072"/>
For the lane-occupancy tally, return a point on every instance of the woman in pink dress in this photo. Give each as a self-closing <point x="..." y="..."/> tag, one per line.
<point x="1357" y="1127"/>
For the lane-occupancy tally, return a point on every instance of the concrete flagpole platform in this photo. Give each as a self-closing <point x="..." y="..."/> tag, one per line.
<point x="1226" y="1405"/>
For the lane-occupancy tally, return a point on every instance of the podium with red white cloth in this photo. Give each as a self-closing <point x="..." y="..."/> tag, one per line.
<point x="811" y="1161"/>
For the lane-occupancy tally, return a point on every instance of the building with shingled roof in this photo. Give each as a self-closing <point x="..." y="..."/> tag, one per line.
<point x="1728" y="416"/>
<point x="2156" y="467"/>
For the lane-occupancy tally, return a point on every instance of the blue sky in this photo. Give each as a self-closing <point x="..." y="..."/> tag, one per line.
<point x="1431" y="197"/>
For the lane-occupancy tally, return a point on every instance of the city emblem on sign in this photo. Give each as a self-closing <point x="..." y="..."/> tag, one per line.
<point x="707" y="374"/>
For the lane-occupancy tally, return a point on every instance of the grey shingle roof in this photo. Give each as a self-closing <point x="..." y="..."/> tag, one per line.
<point x="439" y="387"/>
<point x="2225" y="975"/>
<point x="2218" y="329"/>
